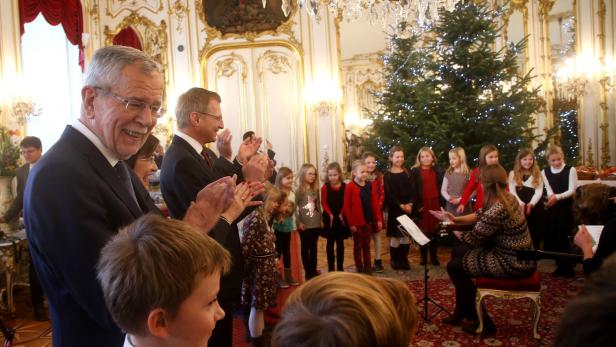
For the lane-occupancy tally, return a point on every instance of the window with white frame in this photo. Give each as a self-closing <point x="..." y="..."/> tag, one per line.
<point x="51" y="77"/>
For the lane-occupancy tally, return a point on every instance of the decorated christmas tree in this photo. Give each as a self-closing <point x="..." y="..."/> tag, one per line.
<point x="453" y="89"/>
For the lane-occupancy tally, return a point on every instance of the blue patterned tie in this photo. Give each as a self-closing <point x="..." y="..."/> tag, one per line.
<point x="122" y="171"/>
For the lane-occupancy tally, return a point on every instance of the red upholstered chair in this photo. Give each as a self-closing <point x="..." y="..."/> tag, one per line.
<point x="529" y="287"/>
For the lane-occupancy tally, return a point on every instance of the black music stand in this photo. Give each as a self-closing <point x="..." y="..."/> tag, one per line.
<point x="426" y="298"/>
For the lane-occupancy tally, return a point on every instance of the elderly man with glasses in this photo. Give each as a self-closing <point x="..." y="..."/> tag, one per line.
<point x="81" y="192"/>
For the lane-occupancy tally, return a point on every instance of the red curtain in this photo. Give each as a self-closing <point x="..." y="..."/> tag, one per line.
<point x="128" y="37"/>
<point x="65" y="12"/>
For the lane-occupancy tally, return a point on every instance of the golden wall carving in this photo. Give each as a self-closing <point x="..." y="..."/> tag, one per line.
<point x="180" y="11"/>
<point x="605" y="141"/>
<point x="227" y="67"/>
<point x="115" y="7"/>
<point x="274" y="62"/>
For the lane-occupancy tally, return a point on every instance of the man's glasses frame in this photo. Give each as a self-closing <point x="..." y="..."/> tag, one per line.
<point x="134" y="104"/>
<point x="218" y="118"/>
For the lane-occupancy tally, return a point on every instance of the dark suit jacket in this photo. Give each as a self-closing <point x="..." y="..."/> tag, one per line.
<point x="184" y="173"/>
<point x="18" y="203"/>
<point x="74" y="203"/>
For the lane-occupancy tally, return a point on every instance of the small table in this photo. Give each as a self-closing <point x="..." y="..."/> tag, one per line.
<point x="13" y="255"/>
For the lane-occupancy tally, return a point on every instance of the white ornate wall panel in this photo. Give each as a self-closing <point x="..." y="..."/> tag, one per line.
<point x="261" y="91"/>
<point x="361" y="74"/>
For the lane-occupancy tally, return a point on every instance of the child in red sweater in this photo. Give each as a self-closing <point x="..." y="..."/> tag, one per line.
<point x="361" y="209"/>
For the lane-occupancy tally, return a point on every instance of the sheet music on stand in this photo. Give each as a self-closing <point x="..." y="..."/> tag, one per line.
<point x="410" y="229"/>
<point x="595" y="233"/>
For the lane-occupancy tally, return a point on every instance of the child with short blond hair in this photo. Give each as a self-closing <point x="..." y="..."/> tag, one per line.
<point x="361" y="210"/>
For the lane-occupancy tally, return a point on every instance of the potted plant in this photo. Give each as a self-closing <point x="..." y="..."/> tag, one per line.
<point x="9" y="153"/>
<point x="9" y="162"/>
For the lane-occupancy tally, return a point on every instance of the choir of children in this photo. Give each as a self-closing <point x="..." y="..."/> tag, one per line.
<point x="356" y="208"/>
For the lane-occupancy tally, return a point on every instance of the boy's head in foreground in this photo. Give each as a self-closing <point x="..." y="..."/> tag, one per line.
<point x="160" y="280"/>
<point x="342" y="309"/>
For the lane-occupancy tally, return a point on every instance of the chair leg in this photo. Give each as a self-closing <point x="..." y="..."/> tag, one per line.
<point x="536" y="315"/>
<point x="478" y="300"/>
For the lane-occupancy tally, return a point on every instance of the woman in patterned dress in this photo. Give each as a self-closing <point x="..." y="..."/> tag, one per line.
<point x="259" y="251"/>
<point x="489" y="249"/>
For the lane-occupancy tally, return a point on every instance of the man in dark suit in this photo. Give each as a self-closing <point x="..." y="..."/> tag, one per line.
<point x="31" y="149"/>
<point x="188" y="166"/>
<point x="81" y="192"/>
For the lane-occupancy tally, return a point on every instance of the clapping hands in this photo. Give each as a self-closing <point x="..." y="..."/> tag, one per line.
<point x="248" y="148"/>
<point x="223" y="143"/>
<point x="255" y="170"/>
<point x="443" y="216"/>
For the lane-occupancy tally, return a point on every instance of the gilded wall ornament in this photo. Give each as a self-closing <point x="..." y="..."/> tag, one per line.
<point x="227" y="67"/>
<point x="276" y="62"/>
<point x="115" y="7"/>
<point x="180" y="11"/>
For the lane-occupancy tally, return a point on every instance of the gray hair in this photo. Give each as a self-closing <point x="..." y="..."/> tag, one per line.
<point x="107" y="64"/>
<point x="195" y="99"/>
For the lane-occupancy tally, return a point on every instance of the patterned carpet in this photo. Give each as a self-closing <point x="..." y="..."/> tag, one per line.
<point x="512" y="318"/>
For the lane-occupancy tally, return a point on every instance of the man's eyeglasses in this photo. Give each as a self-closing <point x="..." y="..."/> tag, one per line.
<point x="218" y="118"/>
<point x="134" y="104"/>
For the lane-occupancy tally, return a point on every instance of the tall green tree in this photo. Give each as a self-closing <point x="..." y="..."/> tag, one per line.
<point x="455" y="90"/>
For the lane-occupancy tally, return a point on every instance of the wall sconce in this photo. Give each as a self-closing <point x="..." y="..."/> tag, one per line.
<point x="572" y="77"/>
<point x="356" y="124"/>
<point x="323" y="96"/>
<point x="22" y="109"/>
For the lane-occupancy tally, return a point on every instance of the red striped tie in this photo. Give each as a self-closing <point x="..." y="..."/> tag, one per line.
<point x="206" y="157"/>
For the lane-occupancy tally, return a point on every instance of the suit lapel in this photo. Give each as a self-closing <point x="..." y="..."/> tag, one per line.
<point x="197" y="156"/>
<point x="104" y="169"/>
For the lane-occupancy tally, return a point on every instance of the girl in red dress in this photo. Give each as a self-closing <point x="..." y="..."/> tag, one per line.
<point x="428" y="180"/>
<point x="488" y="155"/>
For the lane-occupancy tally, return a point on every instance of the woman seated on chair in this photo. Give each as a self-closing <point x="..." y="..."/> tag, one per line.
<point x="488" y="250"/>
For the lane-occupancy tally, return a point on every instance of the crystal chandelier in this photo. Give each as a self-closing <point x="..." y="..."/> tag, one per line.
<point x="389" y="13"/>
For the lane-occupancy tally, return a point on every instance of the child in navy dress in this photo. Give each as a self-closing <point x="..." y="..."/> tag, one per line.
<point x="335" y="229"/>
